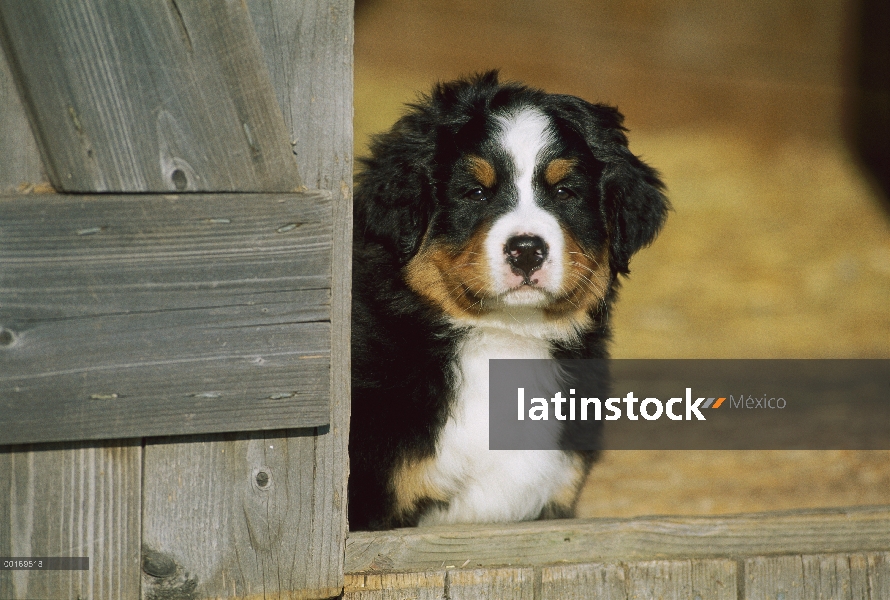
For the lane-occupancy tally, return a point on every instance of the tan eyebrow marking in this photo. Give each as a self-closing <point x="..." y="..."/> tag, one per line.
<point x="558" y="169"/>
<point x="483" y="171"/>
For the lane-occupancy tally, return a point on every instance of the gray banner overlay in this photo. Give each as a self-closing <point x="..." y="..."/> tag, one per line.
<point x="44" y="563"/>
<point x="690" y="404"/>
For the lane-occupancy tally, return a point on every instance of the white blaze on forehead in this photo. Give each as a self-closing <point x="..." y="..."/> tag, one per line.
<point x="525" y="135"/>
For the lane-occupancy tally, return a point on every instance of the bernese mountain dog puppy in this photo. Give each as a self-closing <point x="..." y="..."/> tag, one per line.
<point x="491" y="221"/>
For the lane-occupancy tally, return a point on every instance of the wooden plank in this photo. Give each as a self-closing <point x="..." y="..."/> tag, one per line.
<point x="508" y="583"/>
<point x="774" y="576"/>
<point x="429" y="585"/>
<point x="857" y="576"/>
<point x="703" y="579"/>
<point x="149" y="315"/>
<point x="21" y="168"/>
<point x="235" y="533"/>
<point x="308" y="46"/>
<point x="79" y="499"/>
<point x="862" y="529"/>
<point x="148" y="96"/>
<point x="878" y="569"/>
<point x="715" y="579"/>
<point x="583" y="582"/>
<point x="682" y="579"/>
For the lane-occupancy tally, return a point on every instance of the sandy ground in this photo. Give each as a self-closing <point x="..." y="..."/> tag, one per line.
<point x="775" y="249"/>
<point x="772" y="251"/>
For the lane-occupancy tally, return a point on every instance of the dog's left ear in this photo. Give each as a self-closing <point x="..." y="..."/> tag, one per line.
<point x="632" y="200"/>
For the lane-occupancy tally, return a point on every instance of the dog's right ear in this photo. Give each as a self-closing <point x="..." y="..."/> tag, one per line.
<point x="394" y="196"/>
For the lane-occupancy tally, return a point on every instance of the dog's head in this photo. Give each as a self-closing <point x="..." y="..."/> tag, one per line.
<point x="504" y="200"/>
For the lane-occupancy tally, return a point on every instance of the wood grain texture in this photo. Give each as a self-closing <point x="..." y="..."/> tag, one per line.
<point x="681" y="579"/>
<point x="308" y="47"/>
<point x="228" y="512"/>
<point x="79" y="499"/>
<point x="510" y="583"/>
<point x="148" y="96"/>
<point x="429" y="585"/>
<point x="856" y="576"/>
<point x="703" y="579"/>
<point x="127" y="316"/>
<point x="645" y="538"/>
<point x="583" y="582"/>
<point x="21" y="168"/>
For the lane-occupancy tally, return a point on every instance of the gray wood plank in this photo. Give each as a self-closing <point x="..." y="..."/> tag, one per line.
<point x="429" y="585"/>
<point x="515" y="583"/>
<point x="604" y="540"/>
<point x="157" y="315"/>
<point x="21" y="169"/>
<point x="235" y="533"/>
<point x="715" y="579"/>
<point x="768" y="577"/>
<point x="855" y="576"/>
<point x="75" y="499"/>
<point x="681" y="579"/>
<point x="308" y="47"/>
<point x="878" y="569"/>
<point x="583" y="582"/>
<point x="148" y="96"/>
<point x="826" y="576"/>
<point x="663" y="579"/>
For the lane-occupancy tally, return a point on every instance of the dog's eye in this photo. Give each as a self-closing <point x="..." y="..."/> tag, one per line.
<point x="564" y="193"/>
<point x="477" y="194"/>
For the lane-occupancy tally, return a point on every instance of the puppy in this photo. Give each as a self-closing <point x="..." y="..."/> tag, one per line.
<point x="491" y="221"/>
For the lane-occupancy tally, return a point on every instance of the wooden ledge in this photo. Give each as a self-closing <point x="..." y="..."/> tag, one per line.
<point x="842" y="530"/>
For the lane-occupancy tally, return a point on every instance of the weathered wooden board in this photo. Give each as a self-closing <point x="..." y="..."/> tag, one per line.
<point x="704" y="579"/>
<point x="507" y="583"/>
<point x="20" y="166"/>
<point x="74" y="499"/>
<point x="308" y="47"/>
<point x="125" y="316"/>
<point x="583" y="581"/>
<point x="148" y="96"/>
<point x="597" y="540"/>
<point x="429" y="585"/>
<point x="242" y="534"/>
<point x="856" y="576"/>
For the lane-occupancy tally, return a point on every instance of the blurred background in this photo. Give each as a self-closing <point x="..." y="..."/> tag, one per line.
<point x="770" y="123"/>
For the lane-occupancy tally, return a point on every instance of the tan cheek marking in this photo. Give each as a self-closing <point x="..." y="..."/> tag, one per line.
<point x="483" y="171"/>
<point x="558" y="168"/>
<point x="411" y="483"/>
<point x="585" y="284"/>
<point x="456" y="280"/>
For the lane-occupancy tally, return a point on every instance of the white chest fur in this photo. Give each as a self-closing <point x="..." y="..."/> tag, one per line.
<point x="491" y="485"/>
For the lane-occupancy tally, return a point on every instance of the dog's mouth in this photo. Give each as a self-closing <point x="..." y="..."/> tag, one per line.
<point x="527" y="293"/>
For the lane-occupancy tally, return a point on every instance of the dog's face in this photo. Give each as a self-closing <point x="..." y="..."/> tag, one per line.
<point x="510" y="204"/>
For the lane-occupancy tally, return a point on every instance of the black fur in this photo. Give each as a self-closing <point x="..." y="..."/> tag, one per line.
<point x="408" y="188"/>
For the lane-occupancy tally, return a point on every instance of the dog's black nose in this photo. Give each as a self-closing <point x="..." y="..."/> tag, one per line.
<point x="525" y="253"/>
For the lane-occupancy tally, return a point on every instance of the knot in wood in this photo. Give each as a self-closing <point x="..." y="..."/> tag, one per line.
<point x="7" y="337"/>
<point x="263" y="478"/>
